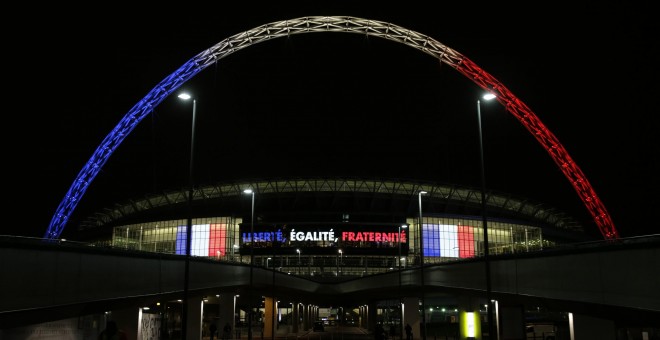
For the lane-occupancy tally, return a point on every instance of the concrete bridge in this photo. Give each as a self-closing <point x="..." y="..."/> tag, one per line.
<point x="50" y="280"/>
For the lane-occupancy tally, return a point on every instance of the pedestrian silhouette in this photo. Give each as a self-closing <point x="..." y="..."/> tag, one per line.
<point x="226" y="331"/>
<point x="213" y="328"/>
<point x="408" y="332"/>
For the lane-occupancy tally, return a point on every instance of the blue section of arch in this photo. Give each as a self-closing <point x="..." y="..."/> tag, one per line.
<point x="114" y="139"/>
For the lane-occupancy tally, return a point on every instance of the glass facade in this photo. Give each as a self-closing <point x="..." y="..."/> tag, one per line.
<point x="215" y="237"/>
<point x="448" y="238"/>
<point x="444" y="239"/>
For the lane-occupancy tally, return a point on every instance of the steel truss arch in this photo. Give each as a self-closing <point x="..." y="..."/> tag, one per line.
<point x="345" y="24"/>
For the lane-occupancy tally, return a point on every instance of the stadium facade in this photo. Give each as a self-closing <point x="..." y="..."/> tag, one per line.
<point x="330" y="227"/>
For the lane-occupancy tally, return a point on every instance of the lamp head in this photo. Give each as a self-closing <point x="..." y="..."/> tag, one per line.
<point x="248" y="191"/>
<point x="489" y="96"/>
<point x="184" y="96"/>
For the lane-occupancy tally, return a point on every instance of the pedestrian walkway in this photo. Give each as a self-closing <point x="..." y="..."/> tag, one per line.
<point x="330" y="333"/>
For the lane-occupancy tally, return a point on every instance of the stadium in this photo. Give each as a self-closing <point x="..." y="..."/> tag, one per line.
<point x="331" y="227"/>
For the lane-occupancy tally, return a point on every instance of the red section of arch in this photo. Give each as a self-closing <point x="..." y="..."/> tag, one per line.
<point x="557" y="151"/>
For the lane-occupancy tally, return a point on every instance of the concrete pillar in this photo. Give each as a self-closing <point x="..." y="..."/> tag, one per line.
<point x="313" y="314"/>
<point x="372" y="312"/>
<point x="308" y="317"/>
<point x="412" y="316"/>
<point x="195" y="312"/>
<point x="269" y="318"/>
<point x="226" y="312"/>
<point x="294" y="318"/>
<point x="305" y="317"/>
<point x="584" y="327"/>
<point x="362" y="319"/>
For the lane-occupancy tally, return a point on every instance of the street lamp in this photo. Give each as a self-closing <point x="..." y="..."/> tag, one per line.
<point x="251" y="192"/>
<point x="341" y="259"/>
<point x="489" y="304"/>
<point x="268" y="259"/>
<point x="298" y="251"/>
<point x="184" y="312"/>
<point x="421" y="259"/>
<point x="404" y="226"/>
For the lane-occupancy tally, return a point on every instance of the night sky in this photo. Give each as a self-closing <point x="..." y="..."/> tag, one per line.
<point x="335" y="104"/>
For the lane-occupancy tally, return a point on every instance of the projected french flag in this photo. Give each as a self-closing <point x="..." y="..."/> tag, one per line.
<point x="207" y="240"/>
<point x="448" y="240"/>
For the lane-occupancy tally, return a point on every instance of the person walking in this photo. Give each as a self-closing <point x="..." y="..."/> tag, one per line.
<point x="408" y="332"/>
<point x="226" y="331"/>
<point x="213" y="329"/>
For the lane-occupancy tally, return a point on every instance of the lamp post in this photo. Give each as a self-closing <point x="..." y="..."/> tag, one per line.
<point x="421" y="260"/>
<point x="298" y="251"/>
<point x="404" y="226"/>
<point x="251" y="192"/>
<point x="273" y="317"/>
<point x="491" y="333"/>
<point x="267" y="260"/>
<point x="184" y="312"/>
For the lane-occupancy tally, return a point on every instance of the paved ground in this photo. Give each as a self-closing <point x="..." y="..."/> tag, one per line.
<point x="334" y="333"/>
<point x="330" y="333"/>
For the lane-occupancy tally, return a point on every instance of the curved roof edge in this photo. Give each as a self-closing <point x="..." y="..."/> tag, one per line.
<point x="454" y="194"/>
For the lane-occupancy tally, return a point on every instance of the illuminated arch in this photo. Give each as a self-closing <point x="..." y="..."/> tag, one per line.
<point x="379" y="29"/>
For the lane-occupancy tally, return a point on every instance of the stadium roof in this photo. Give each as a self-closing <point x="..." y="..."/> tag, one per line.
<point x="280" y="197"/>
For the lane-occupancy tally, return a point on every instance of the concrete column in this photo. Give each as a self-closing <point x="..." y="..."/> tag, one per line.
<point x="361" y="317"/>
<point x="269" y="318"/>
<point x="294" y="318"/>
<point x="583" y="327"/>
<point x="195" y="312"/>
<point x="306" y="317"/>
<point x="372" y="310"/>
<point x="412" y="316"/>
<point x="365" y="313"/>
<point x="226" y="312"/>
<point x="314" y="316"/>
